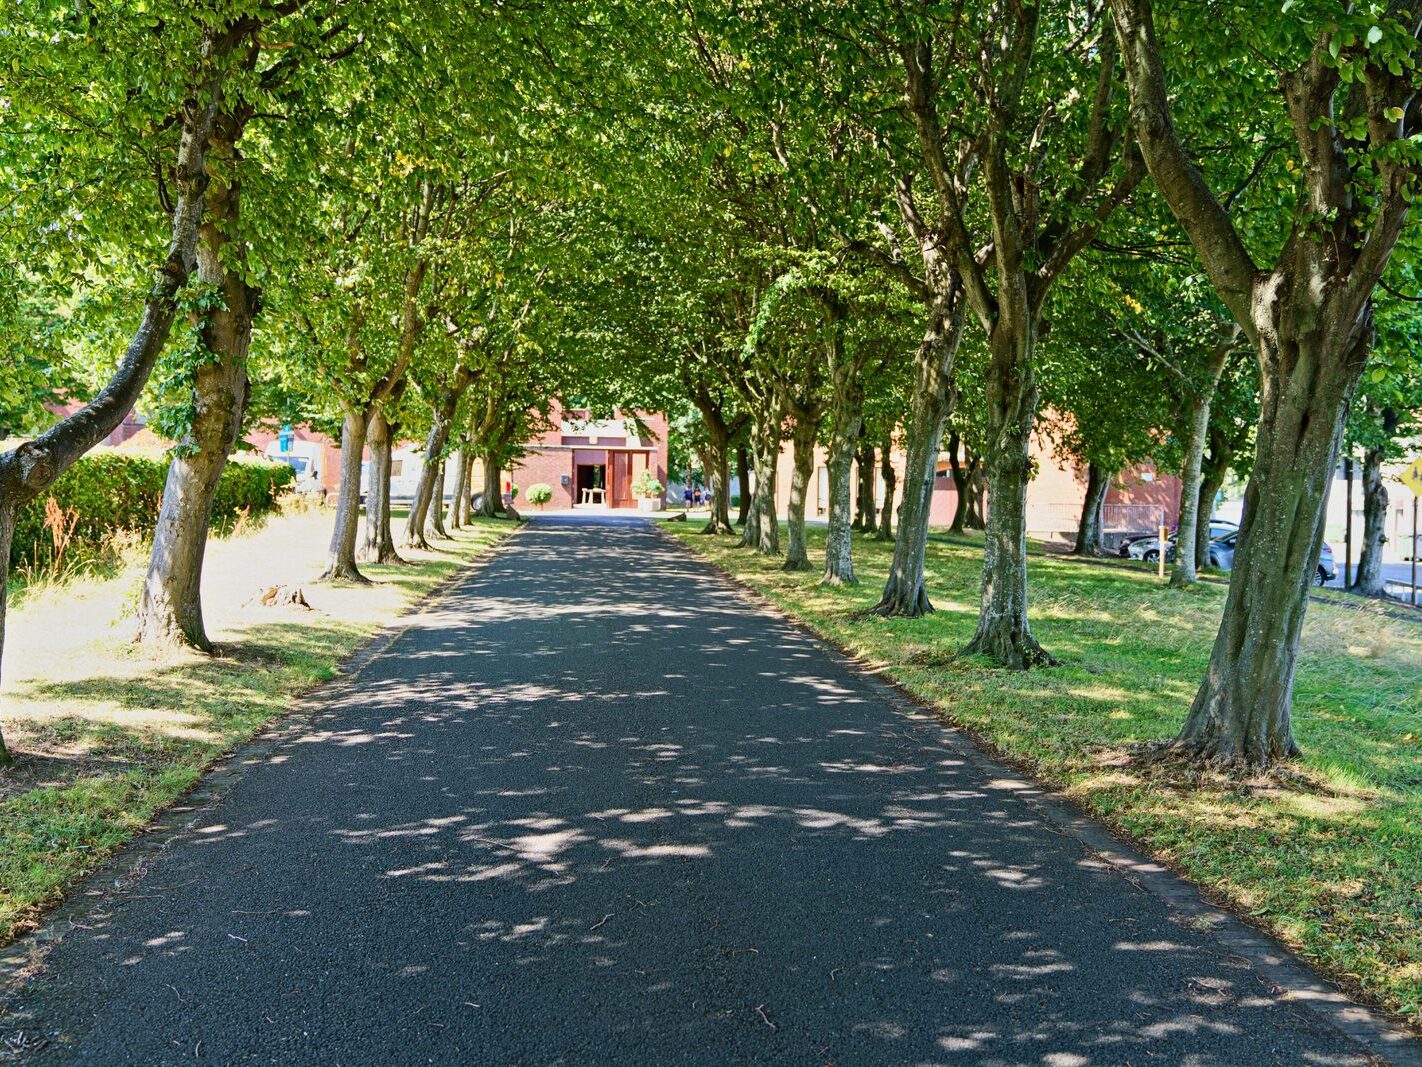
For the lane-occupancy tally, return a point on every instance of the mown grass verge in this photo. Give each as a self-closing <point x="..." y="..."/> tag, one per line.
<point x="1328" y="855"/>
<point x="107" y="735"/>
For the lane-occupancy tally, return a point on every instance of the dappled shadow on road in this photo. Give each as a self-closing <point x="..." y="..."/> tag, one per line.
<point x="592" y="806"/>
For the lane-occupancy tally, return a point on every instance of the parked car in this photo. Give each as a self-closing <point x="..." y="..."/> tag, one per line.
<point x="1148" y="548"/>
<point x="1222" y="556"/>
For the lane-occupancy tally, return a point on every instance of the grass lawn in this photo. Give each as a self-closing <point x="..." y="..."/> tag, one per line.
<point x="107" y="735"/>
<point x="1328" y="856"/>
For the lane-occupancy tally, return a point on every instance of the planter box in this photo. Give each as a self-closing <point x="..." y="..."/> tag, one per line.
<point x="648" y="503"/>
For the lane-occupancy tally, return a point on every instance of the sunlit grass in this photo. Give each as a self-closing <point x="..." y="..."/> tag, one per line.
<point x="108" y="734"/>
<point x="1329" y="856"/>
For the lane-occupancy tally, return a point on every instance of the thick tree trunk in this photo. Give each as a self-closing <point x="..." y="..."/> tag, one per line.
<point x="456" y="517"/>
<point x="1242" y="712"/>
<point x="1369" y="581"/>
<point x="1089" y="529"/>
<point x="886" y="509"/>
<point x="493" y="491"/>
<point x="170" y="607"/>
<point x="434" y="514"/>
<point x="932" y="402"/>
<point x="960" y="486"/>
<point x="743" y="477"/>
<point x="379" y="546"/>
<point x="797" y="553"/>
<point x="340" y="558"/>
<point x="1003" y="634"/>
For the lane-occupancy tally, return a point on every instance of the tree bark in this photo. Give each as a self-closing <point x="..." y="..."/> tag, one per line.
<point x="960" y="486"/>
<point x="762" y="529"/>
<point x="170" y="606"/>
<point x="886" y="509"/>
<point x="455" y="518"/>
<point x="1369" y="580"/>
<point x="743" y="477"/>
<point x="340" y="557"/>
<point x="866" y="513"/>
<point x="1089" y="530"/>
<point x="932" y="401"/>
<point x="1197" y="429"/>
<point x="1212" y="477"/>
<point x="1004" y="634"/>
<point x="846" y="427"/>
<point x="797" y="554"/>
<point x="975" y="507"/>
<point x="1242" y="712"/>
<point x="493" y="491"/>
<point x="716" y="458"/>
<point x="434" y="514"/>
<point x="379" y="546"/>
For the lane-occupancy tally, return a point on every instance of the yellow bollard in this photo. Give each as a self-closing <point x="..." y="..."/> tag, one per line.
<point x="1160" y="562"/>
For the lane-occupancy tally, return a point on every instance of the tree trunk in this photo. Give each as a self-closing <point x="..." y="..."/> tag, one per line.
<point x="340" y="559"/>
<point x="1003" y="634"/>
<point x="866" y="515"/>
<point x="1242" y="712"/>
<point x="886" y="509"/>
<point x="846" y="427"/>
<point x="960" y="486"/>
<point x="170" y="607"/>
<point x="29" y="469"/>
<point x="434" y="514"/>
<point x="717" y="461"/>
<point x="456" y="517"/>
<point x="379" y="546"/>
<point x="1212" y="477"/>
<point x="743" y="477"/>
<point x="1369" y="580"/>
<point x="1089" y="530"/>
<point x="7" y="539"/>
<point x="493" y="491"/>
<point x="974" y="506"/>
<point x="932" y="402"/>
<point x="797" y="554"/>
<point x="1197" y="430"/>
<point x="762" y="529"/>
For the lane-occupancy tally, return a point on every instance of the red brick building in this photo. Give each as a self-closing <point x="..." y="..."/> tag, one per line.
<point x="593" y="462"/>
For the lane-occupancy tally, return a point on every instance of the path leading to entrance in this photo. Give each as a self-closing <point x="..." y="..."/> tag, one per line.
<point x="592" y="807"/>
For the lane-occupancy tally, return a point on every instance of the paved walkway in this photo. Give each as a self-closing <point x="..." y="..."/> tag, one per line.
<point x="593" y="808"/>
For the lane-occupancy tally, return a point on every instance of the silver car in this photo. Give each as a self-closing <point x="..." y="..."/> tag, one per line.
<point x="1148" y="548"/>
<point x="1222" y="556"/>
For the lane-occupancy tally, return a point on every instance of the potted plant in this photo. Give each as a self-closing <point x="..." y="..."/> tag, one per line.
<point x="648" y="491"/>
<point x="540" y="493"/>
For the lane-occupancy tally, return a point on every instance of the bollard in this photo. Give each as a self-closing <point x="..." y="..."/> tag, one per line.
<point x="1160" y="561"/>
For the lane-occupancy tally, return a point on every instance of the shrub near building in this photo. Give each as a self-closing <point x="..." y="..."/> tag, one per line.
<point x="103" y="494"/>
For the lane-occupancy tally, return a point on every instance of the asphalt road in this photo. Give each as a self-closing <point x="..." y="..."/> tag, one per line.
<point x="592" y="807"/>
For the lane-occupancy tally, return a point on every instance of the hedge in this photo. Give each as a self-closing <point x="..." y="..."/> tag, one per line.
<point x="109" y="492"/>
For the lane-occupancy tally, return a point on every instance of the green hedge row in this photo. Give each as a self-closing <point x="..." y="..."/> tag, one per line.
<point x="110" y="493"/>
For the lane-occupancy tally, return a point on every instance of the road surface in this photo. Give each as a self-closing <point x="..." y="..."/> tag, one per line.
<point x="593" y="807"/>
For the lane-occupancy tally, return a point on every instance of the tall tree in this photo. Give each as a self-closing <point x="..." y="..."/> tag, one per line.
<point x="1339" y="82"/>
